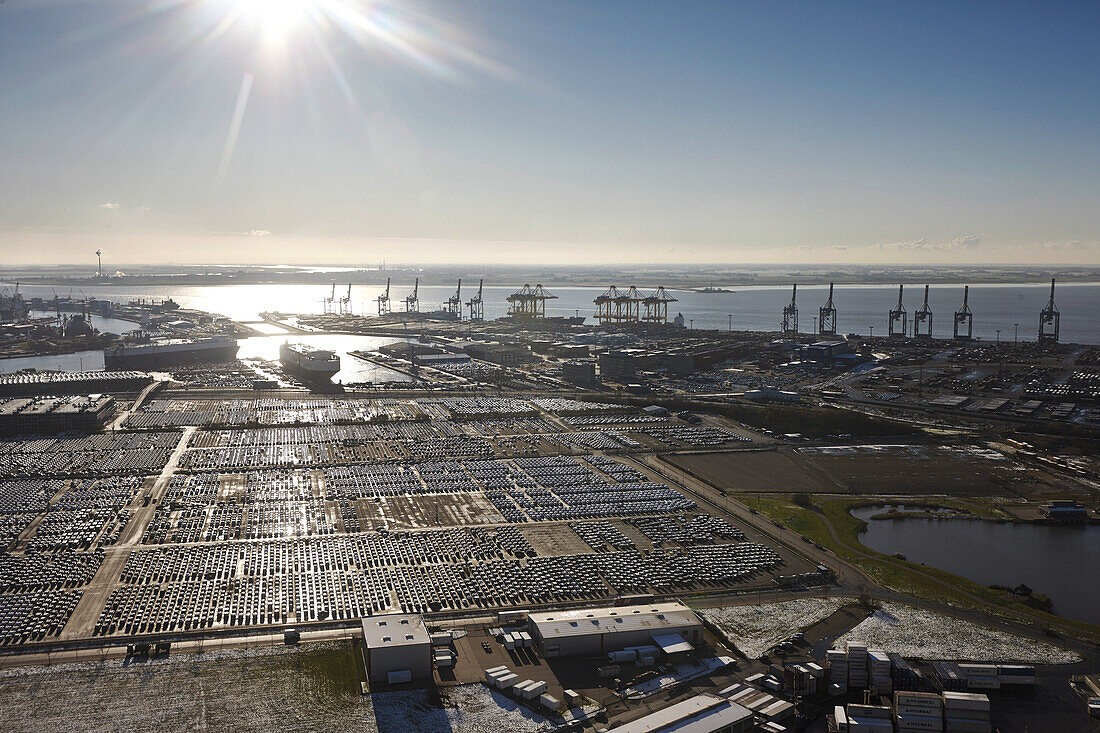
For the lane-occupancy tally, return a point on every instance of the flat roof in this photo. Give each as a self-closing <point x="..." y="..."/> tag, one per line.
<point x="700" y="714"/>
<point x="672" y="643"/>
<point x="656" y="617"/>
<point x="394" y="630"/>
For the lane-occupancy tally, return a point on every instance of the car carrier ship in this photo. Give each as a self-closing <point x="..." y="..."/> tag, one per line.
<point x="170" y="352"/>
<point x="308" y="362"/>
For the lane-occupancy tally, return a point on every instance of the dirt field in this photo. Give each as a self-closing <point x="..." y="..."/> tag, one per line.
<point x="865" y="469"/>
<point x="435" y="510"/>
<point x="555" y="539"/>
<point x="754" y="471"/>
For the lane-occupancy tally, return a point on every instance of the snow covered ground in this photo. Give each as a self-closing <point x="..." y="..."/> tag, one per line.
<point x="256" y="690"/>
<point x="916" y="632"/>
<point x="467" y="708"/>
<point x="756" y="629"/>
<point x="683" y="673"/>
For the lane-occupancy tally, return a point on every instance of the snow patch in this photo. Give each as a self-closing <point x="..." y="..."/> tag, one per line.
<point x="756" y="629"/>
<point x="916" y="632"/>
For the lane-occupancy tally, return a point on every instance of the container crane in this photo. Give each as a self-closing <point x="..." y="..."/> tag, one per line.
<point x="384" y="300"/>
<point x="964" y="317"/>
<point x="345" y="303"/>
<point x="827" y="316"/>
<point x="1049" y="320"/>
<point x="922" y="319"/>
<point x="453" y="306"/>
<point x="899" y="317"/>
<point x="790" y="313"/>
<point x="330" y="300"/>
<point x="475" y="304"/>
<point x="412" y="301"/>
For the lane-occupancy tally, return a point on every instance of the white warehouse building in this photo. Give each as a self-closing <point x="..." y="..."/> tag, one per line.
<point x="601" y="630"/>
<point x="396" y="648"/>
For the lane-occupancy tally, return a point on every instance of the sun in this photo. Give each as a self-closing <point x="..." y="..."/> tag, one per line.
<point x="275" y="19"/>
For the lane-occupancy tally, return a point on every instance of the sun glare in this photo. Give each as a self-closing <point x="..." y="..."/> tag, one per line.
<point x="276" y="19"/>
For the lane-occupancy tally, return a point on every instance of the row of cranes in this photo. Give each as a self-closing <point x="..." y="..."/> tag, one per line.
<point x="898" y="324"/>
<point x="452" y="308"/>
<point x="615" y="306"/>
<point x="338" y="306"/>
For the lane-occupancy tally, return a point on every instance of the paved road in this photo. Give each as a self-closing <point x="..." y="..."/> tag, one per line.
<point x="82" y="623"/>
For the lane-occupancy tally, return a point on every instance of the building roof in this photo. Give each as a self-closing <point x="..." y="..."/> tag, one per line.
<point x="672" y="643"/>
<point x="394" y="630"/>
<point x="699" y="714"/>
<point x="659" y="618"/>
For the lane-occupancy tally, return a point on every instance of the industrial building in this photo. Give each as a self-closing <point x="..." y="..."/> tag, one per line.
<point x="396" y="648"/>
<point x="1065" y="511"/>
<point x="582" y="372"/>
<point x="601" y="630"/>
<point x="700" y="714"/>
<point x="825" y="352"/>
<point x="502" y="354"/>
<point x="48" y="415"/>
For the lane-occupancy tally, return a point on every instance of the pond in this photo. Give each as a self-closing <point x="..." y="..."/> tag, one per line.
<point x="1058" y="561"/>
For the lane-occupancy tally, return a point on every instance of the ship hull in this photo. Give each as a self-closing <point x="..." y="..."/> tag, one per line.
<point x="308" y="369"/>
<point x="154" y="359"/>
<point x="306" y="372"/>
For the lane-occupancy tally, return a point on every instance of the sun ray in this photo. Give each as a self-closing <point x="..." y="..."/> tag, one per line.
<point x="234" y="130"/>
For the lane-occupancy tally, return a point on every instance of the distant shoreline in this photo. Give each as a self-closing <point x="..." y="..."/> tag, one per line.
<point x="595" y="277"/>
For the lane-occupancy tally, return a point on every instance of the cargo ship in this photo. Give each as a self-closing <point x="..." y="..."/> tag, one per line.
<point x="170" y="352"/>
<point x="308" y="362"/>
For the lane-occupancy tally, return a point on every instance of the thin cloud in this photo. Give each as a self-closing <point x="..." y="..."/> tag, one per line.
<point x="967" y="242"/>
<point x="259" y="233"/>
<point x="111" y="206"/>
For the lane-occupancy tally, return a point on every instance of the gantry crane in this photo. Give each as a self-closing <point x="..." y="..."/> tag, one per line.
<point x="345" y="303"/>
<point x="330" y="300"/>
<point x="412" y="300"/>
<point x="384" y="300"/>
<point x="964" y="317"/>
<point x="475" y="304"/>
<point x="656" y="306"/>
<point x="922" y="319"/>
<point x="827" y="316"/>
<point x="899" y="317"/>
<point x="453" y="306"/>
<point x="790" y="313"/>
<point x="1049" y="320"/>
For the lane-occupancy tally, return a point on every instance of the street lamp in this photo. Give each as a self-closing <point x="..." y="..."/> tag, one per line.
<point x="998" y="336"/>
<point x="872" y="332"/>
<point x="731" y="323"/>
<point x="691" y="324"/>
<point x="1015" y="333"/>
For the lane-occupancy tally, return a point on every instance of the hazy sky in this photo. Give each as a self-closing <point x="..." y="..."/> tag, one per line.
<point x="348" y="131"/>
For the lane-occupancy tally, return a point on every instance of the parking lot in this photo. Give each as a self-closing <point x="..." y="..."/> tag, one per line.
<point x="272" y="512"/>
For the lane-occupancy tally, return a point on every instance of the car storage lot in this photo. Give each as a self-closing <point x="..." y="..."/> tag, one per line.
<point x="275" y="512"/>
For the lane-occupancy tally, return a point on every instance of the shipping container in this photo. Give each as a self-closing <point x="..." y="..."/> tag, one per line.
<point x="919" y="722"/>
<point x="965" y="701"/>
